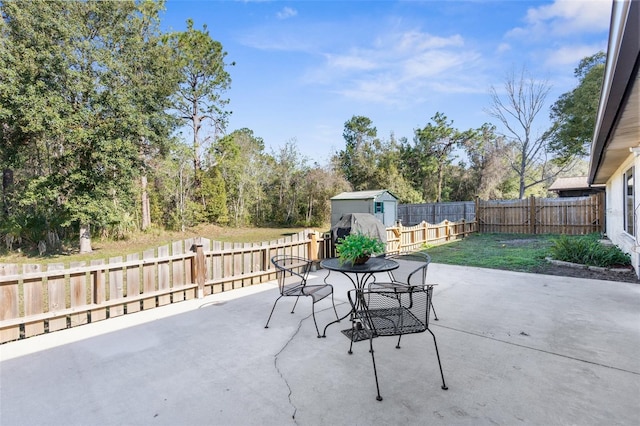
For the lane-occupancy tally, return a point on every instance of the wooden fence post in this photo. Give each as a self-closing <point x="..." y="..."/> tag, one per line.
<point x="198" y="268"/>
<point x="398" y="234"/>
<point x="532" y="214"/>
<point x="602" y="218"/>
<point x="477" y="211"/>
<point x="313" y="246"/>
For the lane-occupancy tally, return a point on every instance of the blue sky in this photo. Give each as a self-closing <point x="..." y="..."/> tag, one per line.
<point x="304" y="68"/>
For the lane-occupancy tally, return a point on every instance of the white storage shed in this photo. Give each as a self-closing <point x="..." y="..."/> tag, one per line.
<point x="380" y="203"/>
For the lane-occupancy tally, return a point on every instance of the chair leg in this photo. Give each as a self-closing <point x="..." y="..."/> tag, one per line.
<point x="294" y="305"/>
<point x="334" y="307"/>
<point x="272" y="309"/>
<point x="375" y="371"/>
<point x="435" y="316"/>
<point x="313" y="314"/>
<point x="398" y="344"/>
<point x="444" y="386"/>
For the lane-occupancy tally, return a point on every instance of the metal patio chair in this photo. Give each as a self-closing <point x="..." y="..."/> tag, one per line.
<point x="292" y="273"/>
<point x="390" y="311"/>
<point x="412" y="271"/>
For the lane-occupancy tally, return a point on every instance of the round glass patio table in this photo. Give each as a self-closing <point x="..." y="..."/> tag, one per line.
<point x="359" y="275"/>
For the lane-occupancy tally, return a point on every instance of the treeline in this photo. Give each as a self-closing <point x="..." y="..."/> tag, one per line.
<point x="109" y="126"/>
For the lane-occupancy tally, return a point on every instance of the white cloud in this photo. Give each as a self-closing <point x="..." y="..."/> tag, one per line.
<point x="286" y="13"/>
<point x="565" y="17"/>
<point x="353" y="61"/>
<point x="433" y="63"/>
<point x="572" y="15"/>
<point x="417" y="41"/>
<point x="503" y="47"/>
<point x="378" y="90"/>
<point x="570" y="55"/>
<point x="400" y="66"/>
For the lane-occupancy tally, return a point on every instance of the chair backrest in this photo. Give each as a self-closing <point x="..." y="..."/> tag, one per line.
<point x="412" y="269"/>
<point x="394" y="311"/>
<point x="291" y="270"/>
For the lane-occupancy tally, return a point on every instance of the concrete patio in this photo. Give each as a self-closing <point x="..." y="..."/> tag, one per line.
<point x="516" y="349"/>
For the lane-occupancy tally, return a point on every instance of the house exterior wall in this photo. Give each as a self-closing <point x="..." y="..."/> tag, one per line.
<point x="615" y="211"/>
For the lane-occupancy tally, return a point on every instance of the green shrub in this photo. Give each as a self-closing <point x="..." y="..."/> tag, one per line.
<point x="587" y="250"/>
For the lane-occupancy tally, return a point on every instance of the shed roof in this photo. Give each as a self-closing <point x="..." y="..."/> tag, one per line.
<point x="361" y="195"/>
<point x="564" y="183"/>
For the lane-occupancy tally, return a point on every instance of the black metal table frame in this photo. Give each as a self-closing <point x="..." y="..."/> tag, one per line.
<point x="361" y="275"/>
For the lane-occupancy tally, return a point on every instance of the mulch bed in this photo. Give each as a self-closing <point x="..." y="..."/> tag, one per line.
<point x="576" y="271"/>
<point x="570" y="271"/>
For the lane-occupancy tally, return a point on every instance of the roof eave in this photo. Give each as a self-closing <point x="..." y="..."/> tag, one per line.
<point x="622" y="61"/>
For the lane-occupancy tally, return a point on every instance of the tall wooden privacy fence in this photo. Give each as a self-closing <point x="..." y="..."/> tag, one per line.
<point x="571" y="215"/>
<point x="411" y="214"/>
<point x="37" y="299"/>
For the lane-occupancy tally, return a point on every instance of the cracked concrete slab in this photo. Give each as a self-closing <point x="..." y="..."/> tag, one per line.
<point x="515" y="348"/>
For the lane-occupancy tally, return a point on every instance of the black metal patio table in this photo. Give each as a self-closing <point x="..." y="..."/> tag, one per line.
<point x="359" y="275"/>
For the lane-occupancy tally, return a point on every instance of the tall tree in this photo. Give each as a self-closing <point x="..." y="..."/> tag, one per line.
<point x="435" y="144"/>
<point x="319" y="185"/>
<point x="288" y="170"/>
<point x="199" y="100"/>
<point x="86" y="86"/>
<point x="487" y="169"/>
<point x="574" y="113"/>
<point x="357" y="159"/>
<point x="240" y="158"/>
<point x="517" y="110"/>
<point x="390" y="172"/>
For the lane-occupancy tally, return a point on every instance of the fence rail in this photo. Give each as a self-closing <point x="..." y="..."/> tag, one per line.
<point x="37" y="299"/>
<point x="415" y="237"/>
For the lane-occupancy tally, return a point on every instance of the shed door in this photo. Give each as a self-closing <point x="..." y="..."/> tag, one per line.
<point x="389" y="213"/>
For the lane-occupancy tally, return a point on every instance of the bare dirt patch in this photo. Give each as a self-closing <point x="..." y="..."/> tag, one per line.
<point x="520" y="242"/>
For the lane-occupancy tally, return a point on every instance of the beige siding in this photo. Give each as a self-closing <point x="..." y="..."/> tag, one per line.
<point x="615" y="210"/>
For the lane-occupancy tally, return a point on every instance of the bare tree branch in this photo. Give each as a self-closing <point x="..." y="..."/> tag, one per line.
<point x="517" y="109"/>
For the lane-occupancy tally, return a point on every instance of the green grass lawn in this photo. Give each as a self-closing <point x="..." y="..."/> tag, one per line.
<point x="140" y="241"/>
<point x="514" y="252"/>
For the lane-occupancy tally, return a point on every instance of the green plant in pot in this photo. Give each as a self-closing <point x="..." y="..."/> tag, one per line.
<point x="358" y="248"/>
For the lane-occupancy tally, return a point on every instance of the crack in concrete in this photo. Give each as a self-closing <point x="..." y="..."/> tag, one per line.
<point x="537" y="349"/>
<point x="275" y="361"/>
<point x="275" y="364"/>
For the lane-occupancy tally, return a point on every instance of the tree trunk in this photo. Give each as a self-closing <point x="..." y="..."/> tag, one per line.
<point x="440" y="179"/>
<point x="523" y="170"/>
<point x="146" y="211"/>
<point x="85" y="238"/>
<point x="196" y="125"/>
<point x="7" y="188"/>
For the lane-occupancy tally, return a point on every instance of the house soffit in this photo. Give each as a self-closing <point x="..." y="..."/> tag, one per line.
<point x="625" y="135"/>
